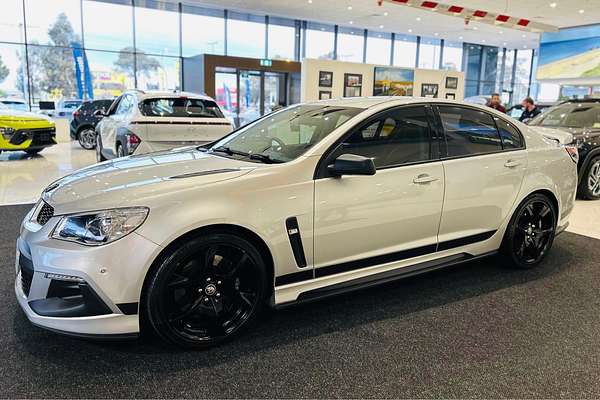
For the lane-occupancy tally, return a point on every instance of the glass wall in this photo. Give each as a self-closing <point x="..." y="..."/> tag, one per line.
<point x="379" y="47"/>
<point x="122" y="44"/>
<point x="429" y="53"/>
<point x="350" y="44"/>
<point x="405" y="51"/>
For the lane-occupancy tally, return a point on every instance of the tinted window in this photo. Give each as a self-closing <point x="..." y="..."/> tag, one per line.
<point x="469" y="131"/>
<point x="399" y="137"/>
<point x="573" y="115"/>
<point x="181" y="107"/>
<point x="511" y="138"/>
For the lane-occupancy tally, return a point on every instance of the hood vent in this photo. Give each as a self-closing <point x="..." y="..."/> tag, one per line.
<point x="202" y="173"/>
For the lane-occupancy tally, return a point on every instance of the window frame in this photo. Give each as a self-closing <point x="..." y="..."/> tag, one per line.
<point x="322" y="171"/>
<point x="444" y="146"/>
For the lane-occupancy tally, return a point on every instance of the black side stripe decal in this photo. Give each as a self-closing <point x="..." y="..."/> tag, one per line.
<point x="382" y="259"/>
<point x="293" y="231"/>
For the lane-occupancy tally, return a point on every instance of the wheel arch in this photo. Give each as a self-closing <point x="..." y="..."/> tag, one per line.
<point x="237" y="230"/>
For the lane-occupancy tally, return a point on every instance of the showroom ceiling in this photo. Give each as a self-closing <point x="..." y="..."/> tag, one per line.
<point x="402" y="19"/>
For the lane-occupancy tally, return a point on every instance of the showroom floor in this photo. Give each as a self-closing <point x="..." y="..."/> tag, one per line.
<point x="476" y="330"/>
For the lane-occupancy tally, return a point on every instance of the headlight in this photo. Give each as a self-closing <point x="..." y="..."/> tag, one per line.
<point x="102" y="227"/>
<point x="6" y="131"/>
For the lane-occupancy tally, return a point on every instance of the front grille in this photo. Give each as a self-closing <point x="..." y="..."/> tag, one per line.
<point x="26" y="273"/>
<point x="40" y="137"/>
<point x="46" y="212"/>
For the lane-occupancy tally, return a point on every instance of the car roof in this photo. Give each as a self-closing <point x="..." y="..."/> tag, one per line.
<point x="368" y="102"/>
<point x="143" y="95"/>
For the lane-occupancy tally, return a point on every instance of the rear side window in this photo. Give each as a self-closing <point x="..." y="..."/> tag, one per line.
<point x="180" y="107"/>
<point x="401" y="136"/>
<point x="469" y="131"/>
<point x="511" y="138"/>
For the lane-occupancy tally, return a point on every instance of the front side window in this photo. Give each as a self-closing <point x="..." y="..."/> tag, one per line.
<point x="399" y="137"/>
<point x="285" y="135"/>
<point x="180" y="107"/>
<point x="570" y="115"/>
<point x="469" y="131"/>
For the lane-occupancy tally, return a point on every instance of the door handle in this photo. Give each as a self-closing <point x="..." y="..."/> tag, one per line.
<point x="512" y="163"/>
<point x="424" y="178"/>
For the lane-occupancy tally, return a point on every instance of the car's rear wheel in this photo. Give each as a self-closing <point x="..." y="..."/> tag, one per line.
<point x="590" y="181"/>
<point x="87" y="138"/>
<point x="531" y="232"/>
<point x="206" y="291"/>
<point x="99" y="156"/>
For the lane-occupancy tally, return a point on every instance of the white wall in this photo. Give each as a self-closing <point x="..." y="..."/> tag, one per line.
<point x="310" y="78"/>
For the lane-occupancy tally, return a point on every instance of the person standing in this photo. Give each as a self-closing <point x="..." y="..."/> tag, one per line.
<point x="530" y="111"/>
<point x="496" y="103"/>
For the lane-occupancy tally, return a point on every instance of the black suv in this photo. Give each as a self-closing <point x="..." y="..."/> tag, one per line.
<point x="84" y="122"/>
<point x="581" y="118"/>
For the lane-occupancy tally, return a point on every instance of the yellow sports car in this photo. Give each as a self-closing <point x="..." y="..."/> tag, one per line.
<point x="25" y="131"/>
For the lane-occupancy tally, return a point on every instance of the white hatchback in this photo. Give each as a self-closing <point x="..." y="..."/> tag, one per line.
<point x="143" y="122"/>
<point x="309" y="201"/>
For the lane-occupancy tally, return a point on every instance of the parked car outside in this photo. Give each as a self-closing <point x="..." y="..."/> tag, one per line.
<point x="581" y="118"/>
<point x="84" y="120"/>
<point x="62" y="109"/>
<point x="309" y="201"/>
<point x="142" y="122"/>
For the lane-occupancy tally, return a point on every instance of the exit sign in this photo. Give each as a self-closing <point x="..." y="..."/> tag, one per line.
<point x="265" y="62"/>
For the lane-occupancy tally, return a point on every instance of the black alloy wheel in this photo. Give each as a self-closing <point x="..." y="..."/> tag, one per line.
<point x="207" y="291"/>
<point x="87" y="138"/>
<point x="531" y="232"/>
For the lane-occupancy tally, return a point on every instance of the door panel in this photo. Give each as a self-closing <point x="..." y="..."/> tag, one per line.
<point x="362" y="216"/>
<point x="480" y="192"/>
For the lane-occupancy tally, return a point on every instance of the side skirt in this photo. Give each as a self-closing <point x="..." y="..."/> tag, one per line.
<point x="383" y="277"/>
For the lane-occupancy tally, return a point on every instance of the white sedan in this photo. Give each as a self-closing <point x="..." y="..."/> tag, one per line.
<point x="310" y="201"/>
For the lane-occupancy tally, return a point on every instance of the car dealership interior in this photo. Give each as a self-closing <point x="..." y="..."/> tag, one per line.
<point x="300" y="199"/>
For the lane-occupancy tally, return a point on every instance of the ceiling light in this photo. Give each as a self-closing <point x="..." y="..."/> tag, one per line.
<point x="436" y="34"/>
<point x="349" y="8"/>
<point x="385" y="14"/>
<point x="418" y="18"/>
<point x="474" y="28"/>
<point x="500" y="32"/>
<point x="523" y="36"/>
<point x="482" y="40"/>
<point x="553" y="5"/>
<point x="460" y="38"/>
<point x="524" y="46"/>
<point x="581" y="11"/>
<point x="351" y="22"/>
<point x="410" y="31"/>
<point x="380" y="26"/>
<point x="309" y="1"/>
<point x="504" y="44"/>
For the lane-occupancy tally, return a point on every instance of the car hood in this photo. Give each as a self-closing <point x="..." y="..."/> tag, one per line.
<point x="138" y="179"/>
<point x="21" y="116"/>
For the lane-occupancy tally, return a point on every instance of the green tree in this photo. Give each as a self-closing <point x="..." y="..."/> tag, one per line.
<point x="145" y="64"/>
<point x="3" y="71"/>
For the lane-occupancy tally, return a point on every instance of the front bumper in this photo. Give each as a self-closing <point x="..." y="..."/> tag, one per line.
<point x="79" y="290"/>
<point x="29" y="139"/>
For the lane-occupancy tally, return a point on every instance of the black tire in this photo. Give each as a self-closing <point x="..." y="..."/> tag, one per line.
<point x="206" y="291"/>
<point x="589" y="187"/>
<point x="530" y="232"/>
<point x="87" y="138"/>
<point x="120" y="151"/>
<point x="33" y="152"/>
<point x="99" y="156"/>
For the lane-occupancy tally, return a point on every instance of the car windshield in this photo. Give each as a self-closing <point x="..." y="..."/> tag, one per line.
<point x="570" y="115"/>
<point x="180" y="107"/>
<point x="285" y="135"/>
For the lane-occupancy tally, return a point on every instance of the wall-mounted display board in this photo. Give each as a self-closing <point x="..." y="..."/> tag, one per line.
<point x="350" y="79"/>
<point x="391" y="81"/>
<point x="570" y="54"/>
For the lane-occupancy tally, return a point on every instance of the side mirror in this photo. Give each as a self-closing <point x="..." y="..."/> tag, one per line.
<point x="352" y="164"/>
<point x="100" y="113"/>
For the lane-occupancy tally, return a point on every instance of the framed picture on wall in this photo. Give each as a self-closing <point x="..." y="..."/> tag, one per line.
<point x="352" y="85"/>
<point x="393" y="81"/>
<point x="451" y="82"/>
<point x="429" y="90"/>
<point x="324" y="94"/>
<point x="451" y="96"/>
<point x="325" y="78"/>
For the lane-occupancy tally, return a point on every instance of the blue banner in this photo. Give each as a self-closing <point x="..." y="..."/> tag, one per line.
<point x="83" y="77"/>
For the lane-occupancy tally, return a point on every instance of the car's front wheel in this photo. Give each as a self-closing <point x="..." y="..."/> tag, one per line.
<point x="87" y="138"/>
<point x="531" y="232"/>
<point x="206" y="291"/>
<point x="589" y="188"/>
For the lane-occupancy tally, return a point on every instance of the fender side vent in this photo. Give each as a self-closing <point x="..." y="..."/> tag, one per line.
<point x="291" y="225"/>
